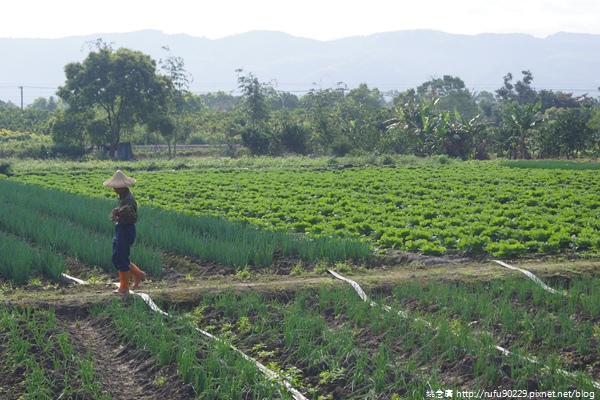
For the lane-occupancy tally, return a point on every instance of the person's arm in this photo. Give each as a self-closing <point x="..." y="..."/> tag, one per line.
<point x="126" y="213"/>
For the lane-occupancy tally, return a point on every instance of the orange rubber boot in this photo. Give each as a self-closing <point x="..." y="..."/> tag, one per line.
<point x="138" y="275"/>
<point x="123" y="283"/>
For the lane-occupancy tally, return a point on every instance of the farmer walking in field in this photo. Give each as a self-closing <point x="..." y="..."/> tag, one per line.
<point x="125" y="215"/>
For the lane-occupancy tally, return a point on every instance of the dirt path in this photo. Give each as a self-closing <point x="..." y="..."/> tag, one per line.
<point x="187" y="288"/>
<point x="118" y="380"/>
<point x="125" y="371"/>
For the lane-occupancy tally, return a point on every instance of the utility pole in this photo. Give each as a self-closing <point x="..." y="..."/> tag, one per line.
<point x="21" y="87"/>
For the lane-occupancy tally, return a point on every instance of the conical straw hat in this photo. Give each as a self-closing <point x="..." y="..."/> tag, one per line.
<point x="119" y="180"/>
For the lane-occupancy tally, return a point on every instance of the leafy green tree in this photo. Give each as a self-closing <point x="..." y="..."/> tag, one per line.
<point x="183" y="103"/>
<point x="566" y="132"/>
<point x="122" y="87"/>
<point x="31" y="120"/>
<point x="279" y="100"/>
<point x="520" y="120"/>
<point x="452" y="94"/>
<point x="403" y="98"/>
<point x="362" y="112"/>
<point x="97" y="132"/>
<point x="42" y="103"/>
<point x="594" y="121"/>
<point x="423" y="127"/>
<point x="520" y="92"/>
<point x="223" y="128"/>
<point x="593" y="124"/>
<point x="552" y="99"/>
<point x="256" y="135"/>
<point x="489" y="107"/>
<point x="322" y="112"/>
<point x="419" y="126"/>
<point x="220" y="101"/>
<point x="71" y="129"/>
<point x="165" y="126"/>
<point x="469" y="138"/>
<point x="254" y="98"/>
<point x="290" y="135"/>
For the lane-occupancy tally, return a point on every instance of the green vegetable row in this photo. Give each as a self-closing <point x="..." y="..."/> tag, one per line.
<point x="62" y="236"/>
<point x="40" y="358"/>
<point x="472" y="207"/>
<point x="330" y="340"/>
<point x="79" y="226"/>
<point x="20" y="261"/>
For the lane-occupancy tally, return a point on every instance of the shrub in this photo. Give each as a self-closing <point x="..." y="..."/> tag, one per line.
<point x="341" y="148"/>
<point x="5" y="168"/>
<point x="387" y="160"/>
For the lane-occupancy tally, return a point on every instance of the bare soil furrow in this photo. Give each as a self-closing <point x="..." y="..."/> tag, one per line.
<point x="125" y="371"/>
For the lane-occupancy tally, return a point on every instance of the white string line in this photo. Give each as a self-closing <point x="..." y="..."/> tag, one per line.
<point x="504" y="351"/>
<point x="270" y="374"/>
<point x="532" y="276"/>
<point x="75" y="279"/>
<point x="364" y="297"/>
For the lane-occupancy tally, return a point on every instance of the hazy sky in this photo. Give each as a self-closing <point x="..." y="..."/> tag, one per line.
<point x="316" y="19"/>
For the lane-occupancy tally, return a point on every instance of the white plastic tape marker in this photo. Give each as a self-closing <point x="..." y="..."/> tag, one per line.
<point x="532" y="276"/>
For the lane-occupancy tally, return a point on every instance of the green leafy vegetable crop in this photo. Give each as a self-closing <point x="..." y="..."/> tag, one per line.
<point x="473" y="207"/>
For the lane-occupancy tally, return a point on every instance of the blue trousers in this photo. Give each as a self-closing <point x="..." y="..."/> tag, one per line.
<point x="121" y="246"/>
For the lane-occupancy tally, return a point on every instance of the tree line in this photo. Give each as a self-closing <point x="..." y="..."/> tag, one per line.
<point x="116" y="95"/>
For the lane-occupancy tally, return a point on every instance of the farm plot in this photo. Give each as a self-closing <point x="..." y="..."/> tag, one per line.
<point x="474" y="208"/>
<point x="77" y="227"/>
<point x="329" y="340"/>
<point x="440" y="331"/>
<point x="328" y="343"/>
<point x="39" y="357"/>
<point x="49" y="355"/>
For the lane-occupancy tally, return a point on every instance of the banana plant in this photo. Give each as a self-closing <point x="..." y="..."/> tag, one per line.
<point x="473" y="132"/>
<point x="421" y="121"/>
<point x="521" y="119"/>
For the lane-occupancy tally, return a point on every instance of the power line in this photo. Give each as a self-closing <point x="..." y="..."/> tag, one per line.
<point x="30" y="87"/>
<point x="28" y="92"/>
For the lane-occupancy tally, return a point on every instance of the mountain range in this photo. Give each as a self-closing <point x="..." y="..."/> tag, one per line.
<point x="400" y="60"/>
